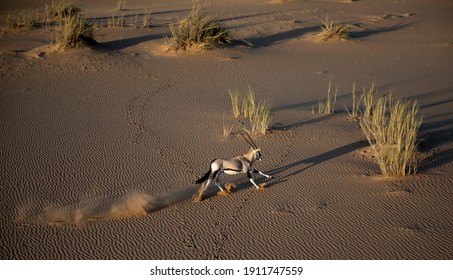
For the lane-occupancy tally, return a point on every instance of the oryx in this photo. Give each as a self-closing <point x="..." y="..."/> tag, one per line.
<point x="232" y="166"/>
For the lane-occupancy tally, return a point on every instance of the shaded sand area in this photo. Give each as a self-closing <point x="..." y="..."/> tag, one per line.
<point x="99" y="147"/>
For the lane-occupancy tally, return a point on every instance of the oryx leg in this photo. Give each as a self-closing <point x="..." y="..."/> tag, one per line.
<point x="216" y="181"/>
<point x="251" y="179"/>
<point x="205" y="185"/>
<point x="259" y="172"/>
<point x="214" y="177"/>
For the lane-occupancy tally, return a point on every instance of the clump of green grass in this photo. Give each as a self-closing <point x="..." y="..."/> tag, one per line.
<point x="332" y="29"/>
<point x="76" y="30"/>
<point x="391" y="128"/>
<point x="328" y="106"/>
<point x="197" y="30"/>
<point x="23" y="20"/>
<point x="60" y="9"/>
<point x="258" y="114"/>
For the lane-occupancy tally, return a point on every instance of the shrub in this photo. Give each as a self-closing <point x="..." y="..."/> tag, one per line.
<point x="76" y="30"/>
<point x="197" y="30"/>
<point x="391" y="129"/>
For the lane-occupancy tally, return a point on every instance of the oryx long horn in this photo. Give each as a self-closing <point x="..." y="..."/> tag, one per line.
<point x="249" y="140"/>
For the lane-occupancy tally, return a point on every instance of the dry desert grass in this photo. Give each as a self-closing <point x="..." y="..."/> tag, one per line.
<point x="59" y="9"/>
<point x="75" y="31"/>
<point x="333" y="30"/>
<point x="197" y="30"/>
<point x="22" y="20"/>
<point x="257" y="113"/>
<point x="391" y="128"/>
<point x="328" y="106"/>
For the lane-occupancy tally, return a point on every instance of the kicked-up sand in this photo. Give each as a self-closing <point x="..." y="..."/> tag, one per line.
<point x="99" y="147"/>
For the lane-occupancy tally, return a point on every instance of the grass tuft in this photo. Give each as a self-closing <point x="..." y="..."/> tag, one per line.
<point x="23" y="20"/>
<point x="333" y="30"/>
<point x="260" y="118"/>
<point x="76" y="30"/>
<point x="116" y="21"/>
<point x="60" y="9"/>
<point x="356" y="102"/>
<point x="248" y="104"/>
<point x="197" y="30"/>
<point x="147" y="19"/>
<point x="235" y="103"/>
<point x="328" y="106"/>
<point x="121" y="5"/>
<point x="369" y="98"/>
<point x="391" y="128"/>
<point x="258" y="114"/>
<point x="228" y="127"/>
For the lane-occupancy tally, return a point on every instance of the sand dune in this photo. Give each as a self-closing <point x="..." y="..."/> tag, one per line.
<point x="99" y="147"/>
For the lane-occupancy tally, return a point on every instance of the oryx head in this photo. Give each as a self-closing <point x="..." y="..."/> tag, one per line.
<point x="254" y="149"/>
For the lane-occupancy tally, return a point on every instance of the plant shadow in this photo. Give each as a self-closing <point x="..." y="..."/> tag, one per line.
<point x="371" y="32"/>
<point x="265" y="41"/>
<point x="118" y="45"/>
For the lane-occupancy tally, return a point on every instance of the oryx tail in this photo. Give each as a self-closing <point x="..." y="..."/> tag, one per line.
<point x="204" y="178"/>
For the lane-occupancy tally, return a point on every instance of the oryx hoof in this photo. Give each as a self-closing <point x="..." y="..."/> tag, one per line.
<point x="197" y="198"/>
<point x="223" y="193"/>
<point x="229" y="188"/>
<point x="261" y="186"/>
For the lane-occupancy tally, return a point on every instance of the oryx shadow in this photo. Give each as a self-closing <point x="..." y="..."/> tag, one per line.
<point x="304" y="164"/>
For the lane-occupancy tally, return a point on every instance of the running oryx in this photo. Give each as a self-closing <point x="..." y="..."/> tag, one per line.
<point x="232" y="166"/>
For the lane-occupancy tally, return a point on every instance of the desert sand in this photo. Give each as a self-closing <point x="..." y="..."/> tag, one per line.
<point x="99" y="147"/>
